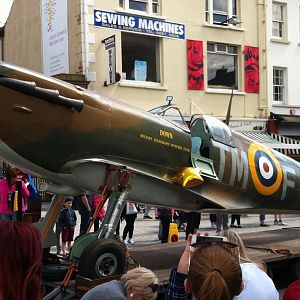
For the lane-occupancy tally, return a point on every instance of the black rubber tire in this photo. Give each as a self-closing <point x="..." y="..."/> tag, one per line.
<point x="103" y="257"/>
<point x="54" y="272"/>
<point x="50" y="259"/>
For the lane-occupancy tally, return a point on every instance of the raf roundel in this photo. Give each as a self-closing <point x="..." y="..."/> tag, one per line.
<point x="265" y="170"/>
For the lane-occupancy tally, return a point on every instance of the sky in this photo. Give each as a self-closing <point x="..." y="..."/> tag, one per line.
<point x="5" y="6"/>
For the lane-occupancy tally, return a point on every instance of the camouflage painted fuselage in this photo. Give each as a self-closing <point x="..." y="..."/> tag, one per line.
<point x="70" y="136"/>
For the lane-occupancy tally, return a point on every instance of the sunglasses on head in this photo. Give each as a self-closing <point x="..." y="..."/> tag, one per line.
<point x="154" y="287"/>
<point x="202" y="244"/>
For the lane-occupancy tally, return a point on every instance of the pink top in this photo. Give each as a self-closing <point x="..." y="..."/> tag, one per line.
<point x="4" y="189"/>
<point x="96" y="200"/>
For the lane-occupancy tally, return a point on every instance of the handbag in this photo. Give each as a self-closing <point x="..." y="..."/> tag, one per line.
<point x="131" y="208"/>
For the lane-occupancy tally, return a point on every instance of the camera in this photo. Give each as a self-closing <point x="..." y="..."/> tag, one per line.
<point x="199" y="239"/>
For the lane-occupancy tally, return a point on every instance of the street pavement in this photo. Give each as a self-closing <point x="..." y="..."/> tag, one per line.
<point x="146" y="230"/>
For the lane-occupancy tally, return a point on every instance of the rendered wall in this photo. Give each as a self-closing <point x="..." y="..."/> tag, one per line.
<point x="286" y="55"/>
<point x="23" y="41"/>
<point x="87" y="55"/>
<point x="173" y="61"/>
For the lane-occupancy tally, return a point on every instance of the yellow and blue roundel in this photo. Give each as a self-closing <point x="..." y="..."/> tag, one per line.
<point x="265" y="170"/>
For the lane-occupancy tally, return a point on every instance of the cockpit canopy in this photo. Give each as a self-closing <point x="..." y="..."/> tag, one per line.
<point x="219" y="131"/>
<point x="171" y="113"/>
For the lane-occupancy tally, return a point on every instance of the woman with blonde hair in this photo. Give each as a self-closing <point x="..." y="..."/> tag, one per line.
<point x="257" y="284"/>
<point x="240" y="250"/>
<point x="137" y="284"/>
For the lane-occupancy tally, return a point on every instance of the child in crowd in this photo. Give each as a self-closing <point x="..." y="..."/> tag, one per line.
<point x="67" y="221"/>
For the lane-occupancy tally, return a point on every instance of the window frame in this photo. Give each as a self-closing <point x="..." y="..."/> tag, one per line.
<point x="282" y="86"/>
<point x="150" y="4"/>
<point x="282" y="23"/>
<point x="210" y="12"/>
<point x="227" y="53"/>
<point x="157" y="50"/>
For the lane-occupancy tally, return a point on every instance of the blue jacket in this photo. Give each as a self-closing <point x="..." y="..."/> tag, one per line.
<point x="67" y="218"/>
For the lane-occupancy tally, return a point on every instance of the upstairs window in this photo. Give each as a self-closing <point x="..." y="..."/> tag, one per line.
<point x="278" y="85"/>
<point x="222" y="66"/>
<point x="147" y="6"/>
<point x="220" y="11"/>
<point x="278" y="20"/>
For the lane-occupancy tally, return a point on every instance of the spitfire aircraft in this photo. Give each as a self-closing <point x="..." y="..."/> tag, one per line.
<point x="80" y="141"/>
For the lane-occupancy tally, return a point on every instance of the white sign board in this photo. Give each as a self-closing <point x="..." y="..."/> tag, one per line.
<point x="110" y="49"/>
<point x="54" y="15"/>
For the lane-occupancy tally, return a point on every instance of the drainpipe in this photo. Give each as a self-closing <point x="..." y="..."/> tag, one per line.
<point x="84" y="32"/>
<point x="262" y="43"/>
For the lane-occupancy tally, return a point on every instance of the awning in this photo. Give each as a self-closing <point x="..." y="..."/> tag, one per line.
<point x="283" y="144"/>
<point x="292" y="146"/>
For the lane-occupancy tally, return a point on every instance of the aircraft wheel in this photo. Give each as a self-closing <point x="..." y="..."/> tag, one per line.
<point x="103" y="257"/>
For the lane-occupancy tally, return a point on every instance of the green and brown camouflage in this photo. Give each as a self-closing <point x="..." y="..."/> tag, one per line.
<point x="69" y="135"/>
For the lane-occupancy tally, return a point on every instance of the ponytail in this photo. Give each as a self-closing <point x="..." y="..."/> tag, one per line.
<point x="214" y="287"/>
<point x="214" y="274"/>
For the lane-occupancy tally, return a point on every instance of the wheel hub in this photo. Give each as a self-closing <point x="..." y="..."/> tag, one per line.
<point x="106" y="264"/>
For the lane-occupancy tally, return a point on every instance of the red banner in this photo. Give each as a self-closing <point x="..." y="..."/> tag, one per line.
<point x="251" y="69"/>
<point x="195" y="65"/>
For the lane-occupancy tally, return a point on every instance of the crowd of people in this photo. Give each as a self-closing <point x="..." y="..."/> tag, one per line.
<point x="210" y="270"/>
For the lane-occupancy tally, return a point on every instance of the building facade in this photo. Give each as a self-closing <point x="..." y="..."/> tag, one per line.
<point x="199" y="52"/>
<point x="283" y="36"/>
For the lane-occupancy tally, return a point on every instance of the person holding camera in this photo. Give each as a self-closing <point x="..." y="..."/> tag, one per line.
<point x="211" y="271"/>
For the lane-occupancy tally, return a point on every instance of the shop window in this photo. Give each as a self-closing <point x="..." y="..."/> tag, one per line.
<point x="222" y="66"/>
<point x="221" y="11"/>
<point x="140" y="57"/>
<point x="279" y="20"/>
<point x="147" y="6"/>
<point x="279" y="85"/>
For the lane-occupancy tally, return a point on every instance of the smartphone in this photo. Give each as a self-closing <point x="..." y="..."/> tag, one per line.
<point x="198" y="239"/>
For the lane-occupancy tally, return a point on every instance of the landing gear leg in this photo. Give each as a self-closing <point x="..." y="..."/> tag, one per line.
<point x="106" y="256"/>
<point x="99" y="254"/>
